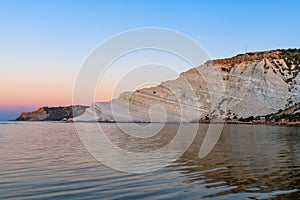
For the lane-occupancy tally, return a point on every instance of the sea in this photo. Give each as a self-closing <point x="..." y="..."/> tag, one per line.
<point x="54" y="160"/>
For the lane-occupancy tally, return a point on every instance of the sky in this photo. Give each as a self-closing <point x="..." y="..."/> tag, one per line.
<point x="44" y="43"/>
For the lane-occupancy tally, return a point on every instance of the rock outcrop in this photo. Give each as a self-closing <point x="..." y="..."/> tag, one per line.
<point x="53" y="113"/>
<point x="251" y="84"/>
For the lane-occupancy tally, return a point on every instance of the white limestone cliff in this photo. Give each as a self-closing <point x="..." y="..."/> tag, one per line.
<point x="251" y="84"/>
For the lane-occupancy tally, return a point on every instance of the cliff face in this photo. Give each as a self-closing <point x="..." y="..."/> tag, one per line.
<point x="52" y="113"/>
<point x="251" y="84"/>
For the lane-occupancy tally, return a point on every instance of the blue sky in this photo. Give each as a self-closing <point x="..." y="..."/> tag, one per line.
<point x="43" y="43"/>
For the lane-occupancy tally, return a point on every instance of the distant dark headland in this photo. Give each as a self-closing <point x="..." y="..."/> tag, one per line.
<point x="53" y="113"/>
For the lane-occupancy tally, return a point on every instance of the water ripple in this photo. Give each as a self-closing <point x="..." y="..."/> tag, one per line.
<point x="48" y="161"/>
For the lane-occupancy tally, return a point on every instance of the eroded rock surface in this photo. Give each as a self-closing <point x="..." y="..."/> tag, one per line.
<point x="251" y="84"/>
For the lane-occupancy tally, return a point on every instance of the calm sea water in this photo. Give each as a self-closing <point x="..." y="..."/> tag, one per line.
<point x="46" y="160"/>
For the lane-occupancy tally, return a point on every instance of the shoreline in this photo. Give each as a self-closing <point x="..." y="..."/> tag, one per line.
<point x="256" y="122"/>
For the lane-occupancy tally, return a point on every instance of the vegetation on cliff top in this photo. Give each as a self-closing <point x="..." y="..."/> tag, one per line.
<point x="291" y="57"/>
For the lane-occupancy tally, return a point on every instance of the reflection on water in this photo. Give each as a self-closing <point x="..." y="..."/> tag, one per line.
<point x="48" y="160"/>
<point x="128" y="153"/>
<point x="264" y="160"/>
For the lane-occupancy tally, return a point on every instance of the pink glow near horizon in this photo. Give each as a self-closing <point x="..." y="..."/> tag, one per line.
<point x="37" y="94"/>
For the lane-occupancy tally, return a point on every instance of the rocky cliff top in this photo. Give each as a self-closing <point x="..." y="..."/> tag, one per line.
<point x="292" y="55"/>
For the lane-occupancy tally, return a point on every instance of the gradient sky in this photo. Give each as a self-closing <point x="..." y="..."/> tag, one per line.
<point x="43" y="43"/>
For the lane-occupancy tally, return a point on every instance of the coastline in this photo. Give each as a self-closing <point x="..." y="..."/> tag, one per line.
<point x="256" y="122"/>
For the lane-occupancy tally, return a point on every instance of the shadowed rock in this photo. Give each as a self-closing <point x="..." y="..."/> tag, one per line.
<point x="53" y="113"/>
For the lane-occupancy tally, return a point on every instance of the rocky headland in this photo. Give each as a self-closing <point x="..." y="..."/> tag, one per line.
<point x="244" y="86"/>
<point x="53" y="113"/>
